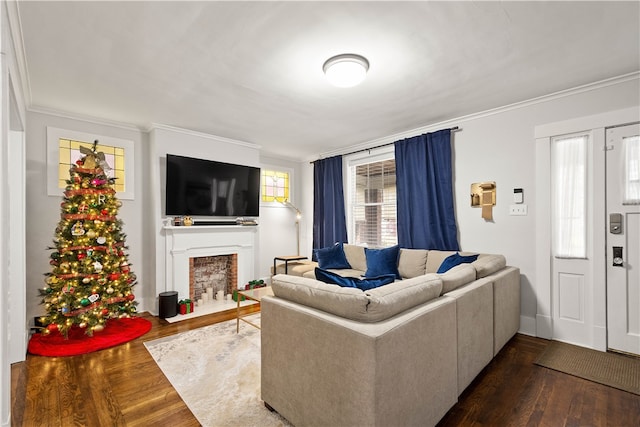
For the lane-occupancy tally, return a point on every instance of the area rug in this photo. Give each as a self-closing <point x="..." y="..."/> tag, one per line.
<point x="217" y="373"/>
<point x="613" y="370"/>
<point x="117" y="331"/>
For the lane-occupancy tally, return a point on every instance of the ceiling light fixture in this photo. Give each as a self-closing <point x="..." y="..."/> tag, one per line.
<point x="346" y="70"/>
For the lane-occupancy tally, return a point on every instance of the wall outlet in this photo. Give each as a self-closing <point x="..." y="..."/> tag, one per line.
<point x="517" y="209"/>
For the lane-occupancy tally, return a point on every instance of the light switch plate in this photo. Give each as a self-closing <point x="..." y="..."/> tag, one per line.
<point x="518" y="209"/>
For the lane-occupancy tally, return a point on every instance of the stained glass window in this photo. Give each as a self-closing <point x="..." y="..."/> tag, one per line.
<point x="69" y="153"/>
<point x="275" y="186"/>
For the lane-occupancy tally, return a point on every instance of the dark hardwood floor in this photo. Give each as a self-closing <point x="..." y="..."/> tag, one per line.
<point x="123" y="386"/>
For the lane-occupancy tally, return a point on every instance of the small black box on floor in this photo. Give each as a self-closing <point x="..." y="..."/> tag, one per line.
<point x="168" y="304"/>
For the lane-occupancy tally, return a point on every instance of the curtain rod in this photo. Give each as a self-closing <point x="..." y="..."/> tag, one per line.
<point x="453" y="129"/>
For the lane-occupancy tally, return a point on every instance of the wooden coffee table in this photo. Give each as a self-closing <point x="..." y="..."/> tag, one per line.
<point x="255" y="294"/>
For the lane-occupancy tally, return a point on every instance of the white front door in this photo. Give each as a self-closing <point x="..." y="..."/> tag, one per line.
<point x="623" y="238"/>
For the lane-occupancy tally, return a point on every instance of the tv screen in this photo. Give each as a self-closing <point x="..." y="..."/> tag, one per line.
<point x="198" y="187"/>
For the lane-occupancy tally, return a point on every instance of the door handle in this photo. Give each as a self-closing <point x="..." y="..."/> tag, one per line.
<point x="617" y="256"/>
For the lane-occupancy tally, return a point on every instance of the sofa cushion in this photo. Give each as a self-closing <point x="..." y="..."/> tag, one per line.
<point x="332" y="257"/>
<point x="369" y="306"/>
<point x="487" y="264"/>
<point x="382" y="261"/>
<point x="457" y="276"/>
<point x="412" y="262"/>
<point x="455" y="259"/>
<point x="350" y="303"/>
<point x="435" y="258"/>
<point x="397" y="297"/>
<point x="353" y="282"/>
<point x="355" y="256"/>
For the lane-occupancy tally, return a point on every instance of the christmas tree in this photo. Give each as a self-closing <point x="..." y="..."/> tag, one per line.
<point x="91" y="280"/>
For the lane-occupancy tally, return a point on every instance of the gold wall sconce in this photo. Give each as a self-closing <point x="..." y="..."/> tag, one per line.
<point x="483" y="195"/>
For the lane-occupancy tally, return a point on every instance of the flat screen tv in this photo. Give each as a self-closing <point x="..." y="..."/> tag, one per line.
<point x="198" y="187"/>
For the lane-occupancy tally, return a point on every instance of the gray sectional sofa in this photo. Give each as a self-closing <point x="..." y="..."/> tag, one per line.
<point x="396" y="355"/>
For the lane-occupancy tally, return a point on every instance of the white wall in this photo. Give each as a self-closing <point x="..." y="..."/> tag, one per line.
<point x="43" y="212"/>
<point x="500" y="146"/>
<point x="277" y="229"/>
<point x="167" y="140"/>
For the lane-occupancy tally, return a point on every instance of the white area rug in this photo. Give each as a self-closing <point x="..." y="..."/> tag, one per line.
<point x="217" y="373"/>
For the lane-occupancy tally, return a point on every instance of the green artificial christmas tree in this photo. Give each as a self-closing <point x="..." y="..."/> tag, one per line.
<point x="91" y="280"/>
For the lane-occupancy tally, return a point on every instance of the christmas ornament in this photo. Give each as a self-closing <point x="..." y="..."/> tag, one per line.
<point x="98" y="328"/>
<point x="81" y="256"/>
<point x="114" y="276"/>
<point x="110" y="290"/>
<point x="101" y="240"/>
<point x="104" y="211"/>
<point x="77" y="229"/>
<point x="86" y="280"/>
<point x="85" y="302"/>
<point x="131" y="297"/>
<point x="91" y="234"/>
<point x="52" y="327"/>
<point x="94" y="297"/>
<point x="97" y="266"/>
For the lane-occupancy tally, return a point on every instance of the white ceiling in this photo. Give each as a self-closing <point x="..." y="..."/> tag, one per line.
<point x="252" y="71"/>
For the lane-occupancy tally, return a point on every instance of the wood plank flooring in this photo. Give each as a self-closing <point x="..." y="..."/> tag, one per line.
<point x="123" y="386"/>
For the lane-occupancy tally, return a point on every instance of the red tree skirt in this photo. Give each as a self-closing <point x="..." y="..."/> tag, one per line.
<point x="116" y="332"/>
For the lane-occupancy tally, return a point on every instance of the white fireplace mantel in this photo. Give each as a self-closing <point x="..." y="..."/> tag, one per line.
<point x="182" y="243"/>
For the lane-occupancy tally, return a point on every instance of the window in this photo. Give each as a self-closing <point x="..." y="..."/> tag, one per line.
<point x="372" y="202"/>
<point x="70" y="152"/>
<point x="275" y="185"/>
<point x="569" y="199"/>
<point x="63" y="149"/>
<point x="631" y="147"/>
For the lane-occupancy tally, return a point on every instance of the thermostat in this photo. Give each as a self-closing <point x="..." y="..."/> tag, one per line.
<point x="518" y="195"/>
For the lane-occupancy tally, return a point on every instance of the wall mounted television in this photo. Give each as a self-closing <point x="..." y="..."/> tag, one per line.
<point x="198" y="187"/>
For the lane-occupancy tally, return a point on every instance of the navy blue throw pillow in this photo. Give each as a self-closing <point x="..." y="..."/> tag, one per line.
<point x="353" y="282"/>
<point x="455" y="259"/>
<point x="332" y="257"/>
<point x="382" y="261"/>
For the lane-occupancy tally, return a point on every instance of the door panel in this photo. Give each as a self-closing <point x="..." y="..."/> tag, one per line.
<point x="623" y="239"/>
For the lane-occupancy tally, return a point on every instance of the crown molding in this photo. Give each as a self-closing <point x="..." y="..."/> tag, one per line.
<point x="183" y="131"/>
<point x="82" y="118"/>
<point x="482" y="114"/>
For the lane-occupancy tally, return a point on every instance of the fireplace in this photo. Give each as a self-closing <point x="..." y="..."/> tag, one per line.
<point x="218" y="272"/>
<point x="184" y="245"/>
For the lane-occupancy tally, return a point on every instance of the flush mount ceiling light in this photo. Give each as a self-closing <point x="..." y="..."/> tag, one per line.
<point x="346" y="70"/>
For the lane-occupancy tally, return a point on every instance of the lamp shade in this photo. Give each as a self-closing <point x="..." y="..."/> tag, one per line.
<point x="346" y="70"/>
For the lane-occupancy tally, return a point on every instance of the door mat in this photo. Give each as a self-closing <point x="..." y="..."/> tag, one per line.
<point x="614" y="370"/>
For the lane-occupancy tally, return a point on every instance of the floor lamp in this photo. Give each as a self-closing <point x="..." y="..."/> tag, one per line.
<point x="288" y="204"/>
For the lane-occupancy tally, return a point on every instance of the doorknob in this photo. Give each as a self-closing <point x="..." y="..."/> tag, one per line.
<point x="615" y="223"/>
<point x="617" y="256"/>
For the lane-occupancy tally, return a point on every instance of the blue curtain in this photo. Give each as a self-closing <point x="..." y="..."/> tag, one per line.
<point x="424" y="182"/>
<point x="329" y="224"/>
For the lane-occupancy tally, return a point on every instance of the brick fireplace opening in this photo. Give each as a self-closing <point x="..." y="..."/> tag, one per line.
<point x="219" y="272"/>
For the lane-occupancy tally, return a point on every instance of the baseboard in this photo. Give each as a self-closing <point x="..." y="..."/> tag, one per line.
<point x="544" y="326"/>
<point x="527" y="326"/>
